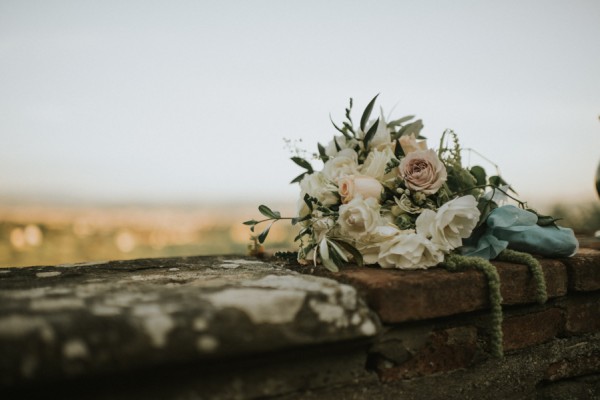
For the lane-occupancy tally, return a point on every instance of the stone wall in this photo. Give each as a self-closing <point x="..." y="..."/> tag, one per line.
<point x="234" y="327"/>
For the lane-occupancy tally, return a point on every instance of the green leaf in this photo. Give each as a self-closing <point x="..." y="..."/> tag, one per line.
<point x="400" y="121"/>
<point x="342" y="131"/>
<point x="267" y="212"/>
<point x="414" y="128"/>
<point x="367" y="113"/>
<point x="303" y="163"/>
<point x="308" y="202"/>
<point x="263" y="234"/>
<point x="322" y="152"/>
<point x="479" y="174"/>
<point x="336" y="249"/>
<point x="325" y="259"/>
<point x="358" y="258"/>
<point x="251" y="222"/>
<point x="337" y="146"/>
<point x="299" y="177"/>
<point x="398" y="152"/>
<point x="370" y="134"/>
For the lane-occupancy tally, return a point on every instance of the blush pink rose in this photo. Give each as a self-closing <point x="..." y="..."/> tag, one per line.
<point x="423" y="171"/>
<point x="367" y="187"/>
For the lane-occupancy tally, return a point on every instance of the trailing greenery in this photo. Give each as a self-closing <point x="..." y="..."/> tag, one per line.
<point x="454" y="263"/>
<point x="517" y="257"/>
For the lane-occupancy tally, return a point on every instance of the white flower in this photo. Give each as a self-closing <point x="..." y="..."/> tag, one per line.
<point x="382" y="137"/>
<point x="344" y="163"/>
<point x="359" y="217"/>
<point x="376" y="163"/>
<point x="318" y="186"/>
<point x="351" y="186"/>
<point x="370" y="244"/>
<point x="410" y="144"/>
<point x="409" y="250"/>
<point x="453" y="222"/>
<point x="343" y="143"/>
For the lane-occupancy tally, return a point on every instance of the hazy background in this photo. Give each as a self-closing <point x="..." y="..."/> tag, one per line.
<point x="188" y="102"/>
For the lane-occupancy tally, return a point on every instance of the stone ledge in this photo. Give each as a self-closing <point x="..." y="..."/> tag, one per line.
<point x="399" y="295"/>
<point x="75" y="320"/>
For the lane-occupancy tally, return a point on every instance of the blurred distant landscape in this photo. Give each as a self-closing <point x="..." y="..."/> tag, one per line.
<point x="47" y="235"/>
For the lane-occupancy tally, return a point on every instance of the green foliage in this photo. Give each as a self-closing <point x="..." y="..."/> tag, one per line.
<point x="454" y="263"/>
<point x="535" y="268"/>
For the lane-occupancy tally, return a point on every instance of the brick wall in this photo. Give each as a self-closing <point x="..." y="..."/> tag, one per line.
<point x="235" y="327"/>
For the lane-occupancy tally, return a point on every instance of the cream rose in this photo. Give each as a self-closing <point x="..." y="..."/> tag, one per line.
<point x="351" y="186"/>
<point x="410" y="144"/>
<point x="359" y="217"/>
<point x="318" y="186"/>
<point x="344" y="163"/>
<point x="423" y="171"/>
<point x="409" y="250"/>
<point x="377" y="162"/>
<point x="342" y="142"/>
<point x="454" y="221"/>
<point x="370" y="244"/>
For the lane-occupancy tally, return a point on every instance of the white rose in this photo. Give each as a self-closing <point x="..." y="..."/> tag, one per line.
<point x="382" y="137"/>
<point x="410" y="144"/>
<point x="318" y="186"/>
<point x="344" y="163"/>
<point x="351" y="186"/>
<point x="376" y="163"/>
<point x="409" y="250"/>
<point x="343" y="143"/>
<point x="359" y="217"/>
<point x="453" y="222"/>
<point x="370" y="244"/>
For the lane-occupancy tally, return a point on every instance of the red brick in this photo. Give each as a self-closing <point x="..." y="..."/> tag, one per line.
<point x="577" y="366"/>
<point x="399" y="296"/>
<point x="583" y="314"/>
<point x="584" y="270"/>
<point x="518" y="286"/>
<point x="444" y="350"/>
<point x="531" y="329"/>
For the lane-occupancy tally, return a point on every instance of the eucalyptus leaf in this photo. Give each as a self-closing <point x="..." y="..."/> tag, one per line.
<point x="413" y="128"/>
<point x="358" y="258"/>
<point x="367" y="113"/>
<point x="308" y="202"/>
<point x="303" y="163"/>
<point x="322" y="152"/>
<point x="263" y="234"/>
<point x="337" y="127"/>
<point x="299" y="178"/>
<point x="370" y="134"/>
<point x="267" y="212"/>
<point x="341" y="253"/>
<point x="337" y="146"/>
<point x="399" y="121"/>
<point x="398" y="152"/>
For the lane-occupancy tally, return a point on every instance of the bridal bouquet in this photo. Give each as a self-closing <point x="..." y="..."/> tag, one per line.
<point x="384" y="197"/>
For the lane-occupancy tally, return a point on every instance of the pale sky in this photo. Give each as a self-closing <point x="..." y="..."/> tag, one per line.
<point x="189" y="101"/>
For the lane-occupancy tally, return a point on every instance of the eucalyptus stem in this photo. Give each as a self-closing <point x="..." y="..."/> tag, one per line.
<point x="494" y="188"/>
<point x="454" y="263"/>
<point x="517" y="257"/>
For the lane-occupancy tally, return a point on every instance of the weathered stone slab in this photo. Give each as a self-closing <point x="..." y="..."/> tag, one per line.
<point x="76" y="320"/>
